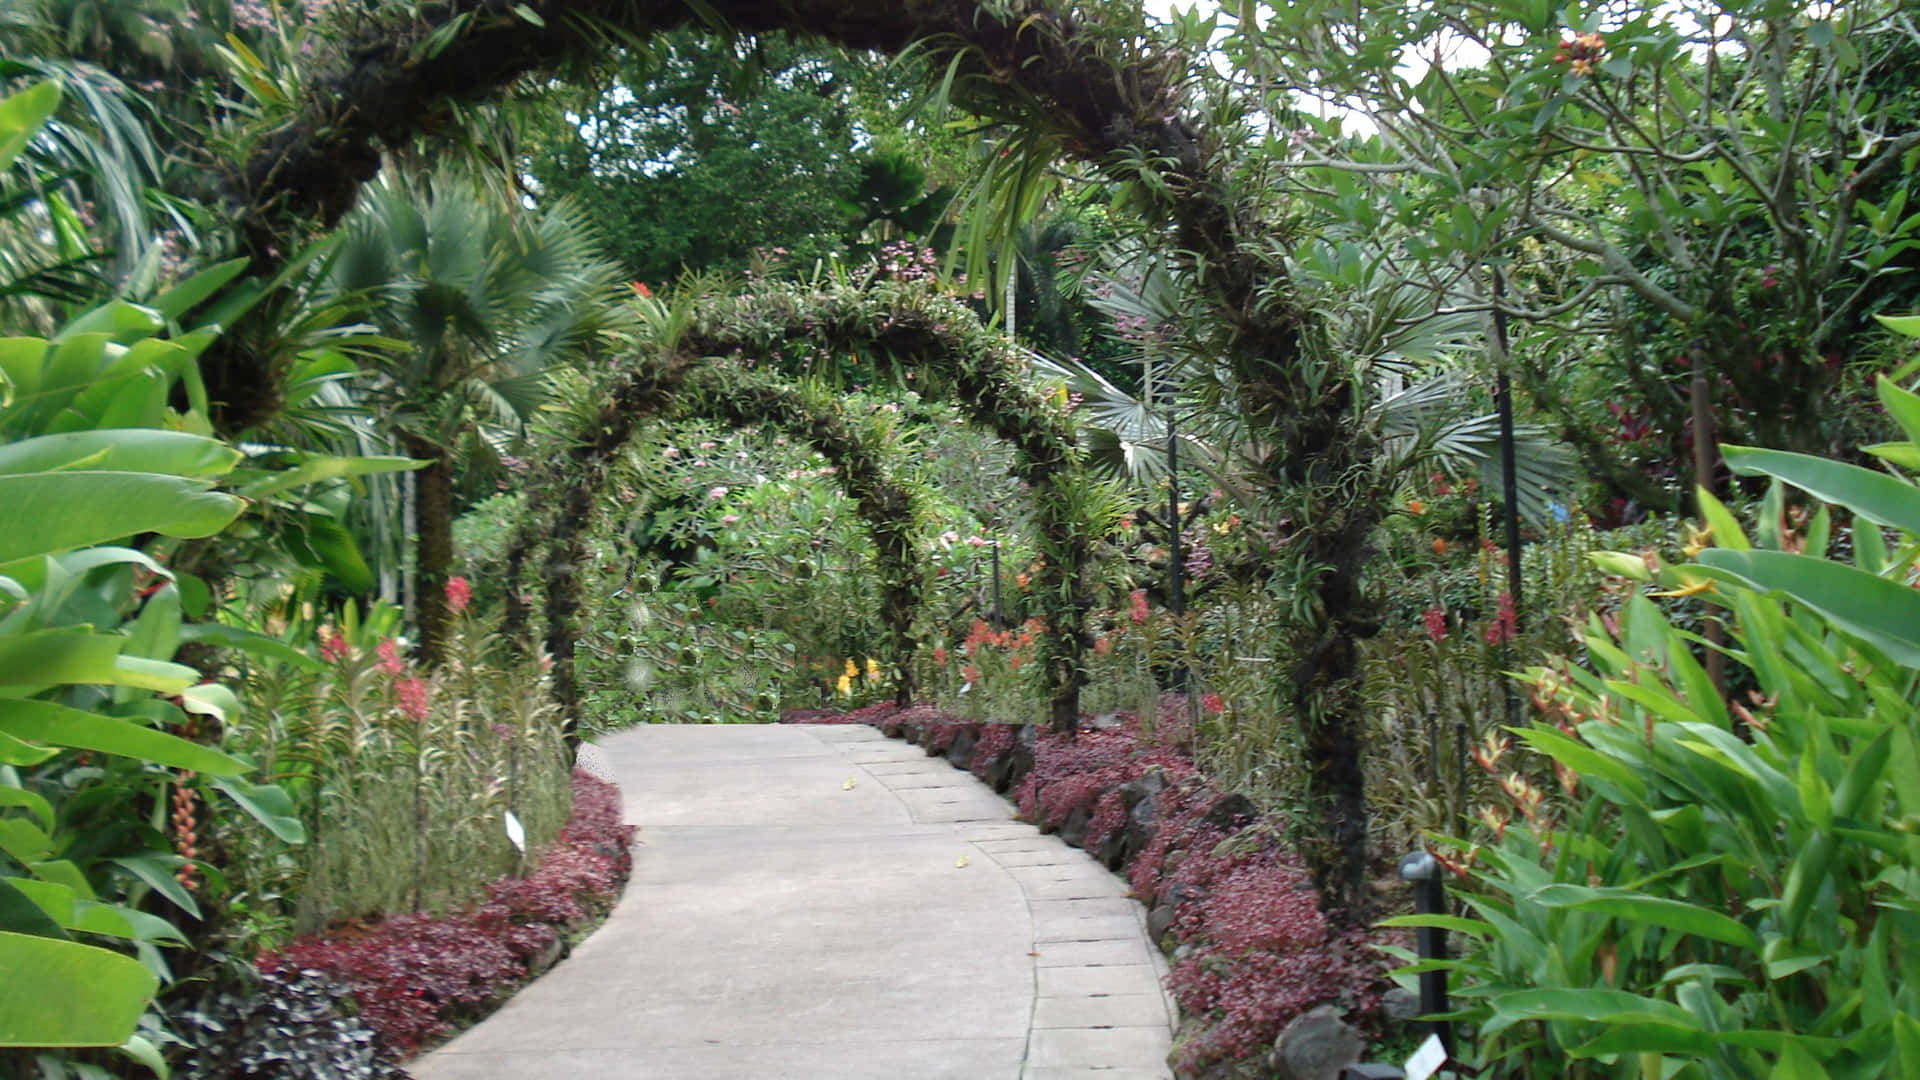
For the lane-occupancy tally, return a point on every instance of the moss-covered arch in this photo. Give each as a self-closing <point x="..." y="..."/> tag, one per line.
<point x="910" y="327"/>
<point x="1093" y="84"/>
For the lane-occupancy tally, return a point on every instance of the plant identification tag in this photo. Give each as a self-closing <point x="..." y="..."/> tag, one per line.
<point x="516" y="833"/>
<point x="1427" y="1060"/>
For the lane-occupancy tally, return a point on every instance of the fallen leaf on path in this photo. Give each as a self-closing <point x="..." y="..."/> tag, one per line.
<point x="961" y="862"/>
<point x="848" y="786"/>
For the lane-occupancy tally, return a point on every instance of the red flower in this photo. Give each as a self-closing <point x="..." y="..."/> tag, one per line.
<point x="1212" y="703"/>
<point x="390" y="661"/>
<point x="640" y="290"/>
<point x="1505" y="621"/>
<point x="1102" y="646"/>
<point x="1137" y="611"/>
<point x="1436" y="618"/>
<point x="940" y="655"/>
<point x="970" y="673"/>
<point x="333" y="646"/>
<point x="410" y="697"/>
<point x="459" y="594"/>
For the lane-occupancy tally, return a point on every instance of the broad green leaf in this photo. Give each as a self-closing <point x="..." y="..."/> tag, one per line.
<point x="1884" y="613"/>
<point x="1595" y="1006"/>
<point x="72" y="510"/>
<point x="233" y="637"/>
<point x="52" y="657"/>
<point x="59" y="725"/>
<point x="269" y="805"/>
<point x="1875" y="496"/>
<point x="1904" y="325"/>
<point x="211" y="699"/>
<point x="157" y="871"/>
<point x="1621" y="564"/>
<point x="1655" y="910"/>
<point x="61" y="993"/>
<point x="1454" y="923"/>
<point x="22" y="913"/>
<point x="21" y="117"/>
<point x="1726" y="528"/>
<point x="29" y="801"/>
<point x="137" y="450"/>
<point x="1585" y="760"/>
<point x="1903" y="454"/>
<point x="322" y="468"/>
<point x="21" y="755"/>
<point x="1903" y="406"/>
<point x="184" y="297"/>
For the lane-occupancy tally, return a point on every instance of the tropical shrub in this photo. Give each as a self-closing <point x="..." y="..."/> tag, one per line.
<point x="1727" y="888"/>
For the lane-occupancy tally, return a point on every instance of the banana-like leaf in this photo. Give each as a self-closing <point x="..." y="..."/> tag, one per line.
<point x="62" y="993"/>
<point x="146" y="450"/>
<point x="1885" y="614"/>
<point x="1876" y="496"/>
<point x="59" y="725"/>
<point x="67" y="510"/>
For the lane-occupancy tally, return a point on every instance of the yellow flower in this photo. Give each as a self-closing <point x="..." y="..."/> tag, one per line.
<point x="845" y="685"/>
<point x="1704" y="585"/>
<point x="873" y="670"/>
<point x="852" y="668"/>
<point x="1698" y="540"/>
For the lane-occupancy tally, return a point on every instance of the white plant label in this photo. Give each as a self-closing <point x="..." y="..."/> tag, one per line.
<point x="516" y="833"/>
<point x="1427" y="1060"/>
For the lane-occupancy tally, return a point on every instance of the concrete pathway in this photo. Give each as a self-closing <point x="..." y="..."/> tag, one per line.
<point x="781" y="923"/>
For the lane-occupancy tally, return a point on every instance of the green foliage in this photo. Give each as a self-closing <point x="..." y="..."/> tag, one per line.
<point x="1731" y="890"/>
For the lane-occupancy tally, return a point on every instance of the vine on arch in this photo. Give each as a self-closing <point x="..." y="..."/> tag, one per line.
<point x="912" y="327"/>
<point x="1091" y="83"/>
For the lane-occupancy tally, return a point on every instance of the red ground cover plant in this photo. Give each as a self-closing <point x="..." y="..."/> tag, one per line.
<point x="1255" y="952"/>
<point x="417" y="977"/>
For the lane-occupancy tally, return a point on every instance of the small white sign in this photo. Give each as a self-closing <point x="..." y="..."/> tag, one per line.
<point x="1427" y="1060"/>
<point x="516" y="833"/>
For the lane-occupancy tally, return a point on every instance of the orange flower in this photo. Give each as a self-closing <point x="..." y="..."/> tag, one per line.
<point x="640" y="290"/>
<point x="1414" y="507"/>
<point x="1439" y="545"/>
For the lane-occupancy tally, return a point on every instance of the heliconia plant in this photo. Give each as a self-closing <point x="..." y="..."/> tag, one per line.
<point x="1727" y="886"/>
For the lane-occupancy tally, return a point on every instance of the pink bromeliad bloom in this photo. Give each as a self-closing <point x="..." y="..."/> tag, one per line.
<point x="459" y="594"/>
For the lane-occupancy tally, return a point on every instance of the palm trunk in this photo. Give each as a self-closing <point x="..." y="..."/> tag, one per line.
<point x="433" y="551"/>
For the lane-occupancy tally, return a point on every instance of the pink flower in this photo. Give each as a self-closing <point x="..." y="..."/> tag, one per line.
<point x="717" y="492"/>
<point x="1137" y="609"/>
<point x="1436" y="618"/>
<point x="729" y="519"/>
<point x="390" y="661"/>
<point x="333" y="646"/>
<point x="459" y="594"/>
<point x="410" y="697"/>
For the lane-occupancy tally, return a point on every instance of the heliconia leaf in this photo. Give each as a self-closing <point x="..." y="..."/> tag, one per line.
<point x="1875" y="496"/>
<point x="140" y="450"/>
<point x="1884" y="613"/>
<point x="59" y="725"/>
<point x="73" y="510"/>
<point x="1656" y="910"/>
<point x="62" y="993"/>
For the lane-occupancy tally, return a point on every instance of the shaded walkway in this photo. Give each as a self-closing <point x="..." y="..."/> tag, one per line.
<point x="783" y="924"/>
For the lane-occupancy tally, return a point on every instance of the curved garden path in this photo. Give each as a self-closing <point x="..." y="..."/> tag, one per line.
<point x="781" y="923"/>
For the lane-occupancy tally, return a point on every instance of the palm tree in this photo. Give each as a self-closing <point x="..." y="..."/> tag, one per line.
<point x="490" y="299"/>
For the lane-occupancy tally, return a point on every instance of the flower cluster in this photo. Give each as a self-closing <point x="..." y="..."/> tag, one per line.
<point x="1581" y="52"/>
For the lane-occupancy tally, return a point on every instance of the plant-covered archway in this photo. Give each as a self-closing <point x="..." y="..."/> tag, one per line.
<point x="888" y="508"/>
<point x="905" y="326"/>
<point x="1094" y="84"/>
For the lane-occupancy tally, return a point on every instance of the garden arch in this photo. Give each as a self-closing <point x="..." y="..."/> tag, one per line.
<point x="744" y="398"/>
<point x="915" y="329"/>
<point x="1111" y="93"/>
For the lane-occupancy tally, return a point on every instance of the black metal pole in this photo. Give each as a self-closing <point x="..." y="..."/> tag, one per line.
<point x="1176" y="562"/>
<point x="1509" y="477"/>
<point x="999" y="620"/>
<point x="1423" y="872"/>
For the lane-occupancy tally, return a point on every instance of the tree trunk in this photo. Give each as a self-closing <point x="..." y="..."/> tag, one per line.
<point x="433" y="558"/>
